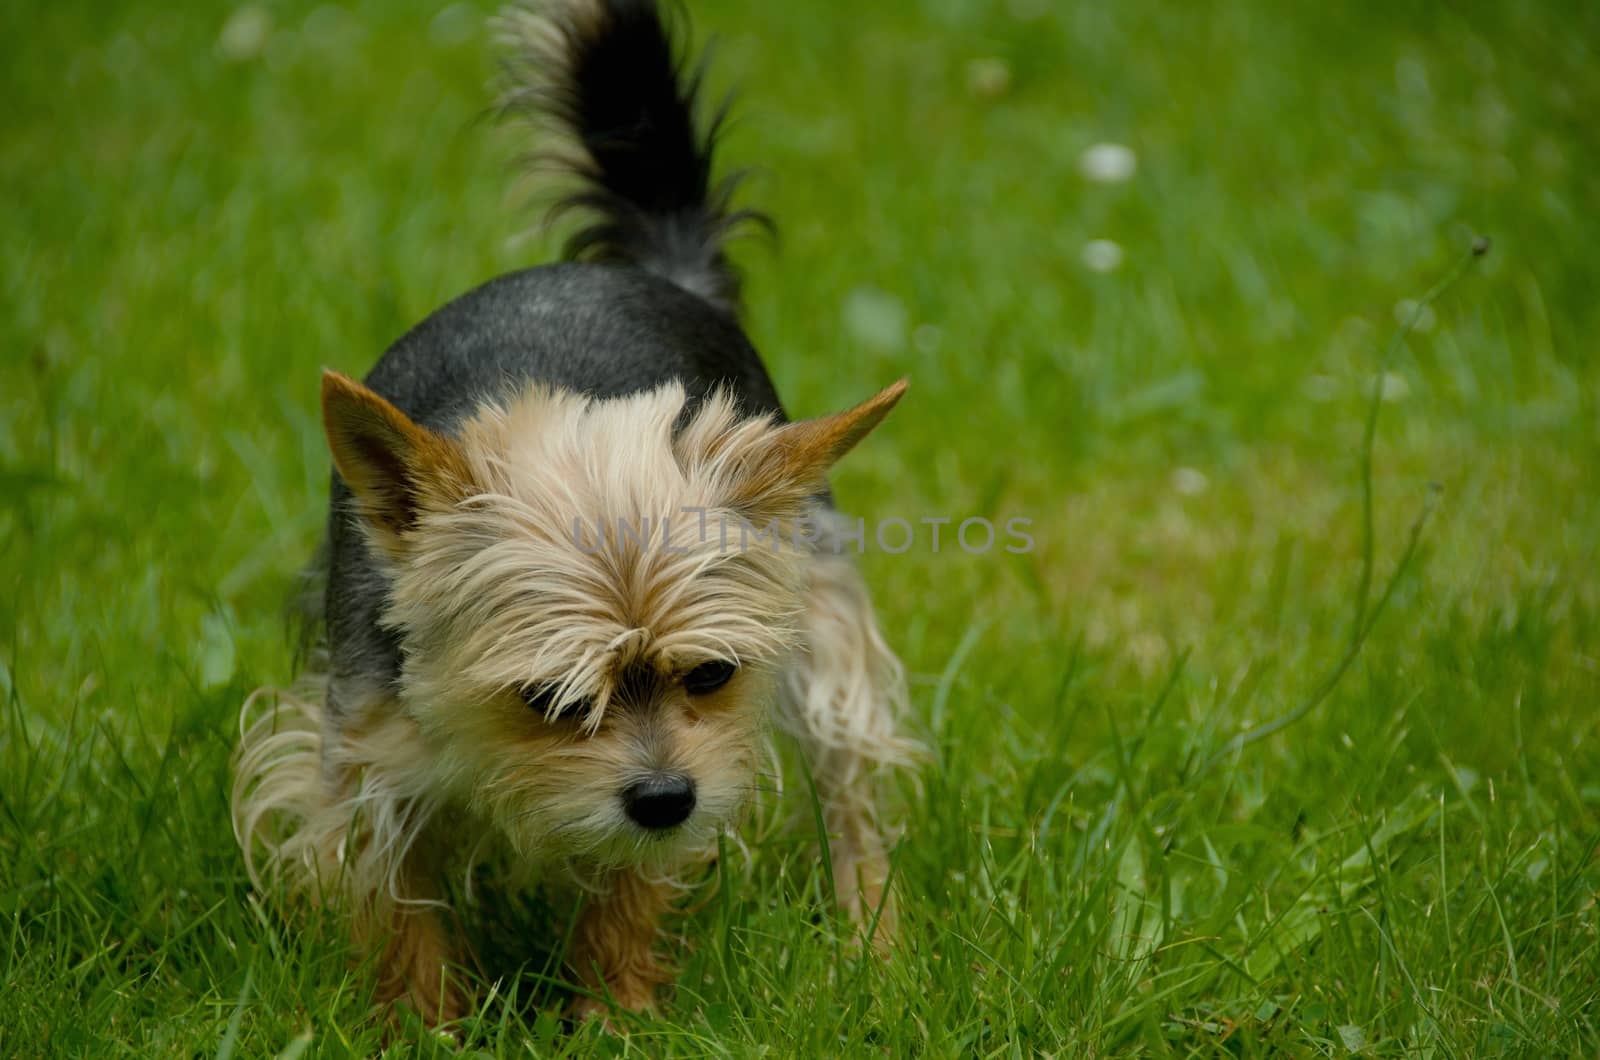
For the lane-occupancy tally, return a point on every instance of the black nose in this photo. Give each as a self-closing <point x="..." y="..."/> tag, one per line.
<point x="661" y="801"/>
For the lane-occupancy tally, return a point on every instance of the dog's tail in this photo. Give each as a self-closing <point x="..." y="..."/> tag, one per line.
<point x="605" y="76"/>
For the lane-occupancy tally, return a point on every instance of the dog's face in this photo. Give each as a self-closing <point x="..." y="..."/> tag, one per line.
<point x="591" y="630"/>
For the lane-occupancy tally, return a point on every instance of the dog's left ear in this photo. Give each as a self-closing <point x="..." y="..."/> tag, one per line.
<point x="396" y="468"/>
<point x="794" y="465"/>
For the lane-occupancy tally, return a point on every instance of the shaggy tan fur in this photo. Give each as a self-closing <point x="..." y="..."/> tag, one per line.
<point x="584" y="546"/>
<point x="614" y="946"/>
<point x="843" y="697"/>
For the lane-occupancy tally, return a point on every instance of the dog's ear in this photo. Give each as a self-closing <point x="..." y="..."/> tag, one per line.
<point x="395" y="468"/>
<point x="793" y="465"/>
<point x="806" y="450"/>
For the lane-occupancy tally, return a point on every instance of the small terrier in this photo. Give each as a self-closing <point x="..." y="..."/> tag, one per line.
<point x="539" y="634"/>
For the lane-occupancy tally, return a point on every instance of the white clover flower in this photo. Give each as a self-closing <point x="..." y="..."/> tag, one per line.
<point x="245" y="34"/>
<point x="1189" y="481"/>
<point x="1102" y="255"/>
<point x="1108" y="163"/>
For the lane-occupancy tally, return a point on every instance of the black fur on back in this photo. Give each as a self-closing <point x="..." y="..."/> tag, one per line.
<point x="654" y="302"/>
<point x="606" y="77"/>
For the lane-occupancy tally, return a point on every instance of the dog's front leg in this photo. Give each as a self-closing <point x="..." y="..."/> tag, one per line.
<point x="843" y="693"/>
<point x="614" y="945"/>
<point x="382" y="851"/>
<point x="413" y="957"/>
<point x="316" y="797"/>
<point x="395" y="912"/>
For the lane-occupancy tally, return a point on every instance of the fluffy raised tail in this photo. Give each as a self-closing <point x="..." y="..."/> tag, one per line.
<point x="605" y="76"/>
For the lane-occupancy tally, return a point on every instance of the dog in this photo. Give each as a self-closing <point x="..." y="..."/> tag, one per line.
<point x="579" y="566"/>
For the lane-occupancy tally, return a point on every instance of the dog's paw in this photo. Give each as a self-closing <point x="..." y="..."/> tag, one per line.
<point x="611" y="1014"/>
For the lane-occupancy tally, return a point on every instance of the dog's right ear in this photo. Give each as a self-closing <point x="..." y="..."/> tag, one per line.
<point x="395" y="468"/>
<point x="790" y="466"/>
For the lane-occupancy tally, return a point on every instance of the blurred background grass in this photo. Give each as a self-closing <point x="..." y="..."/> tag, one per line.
<point x="207" y="203"/>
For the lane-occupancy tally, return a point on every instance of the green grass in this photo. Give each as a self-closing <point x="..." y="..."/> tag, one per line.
<point x="1408" y="869"/>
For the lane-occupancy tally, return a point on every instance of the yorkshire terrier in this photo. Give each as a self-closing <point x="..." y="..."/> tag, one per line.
<point x="579" y="565"/>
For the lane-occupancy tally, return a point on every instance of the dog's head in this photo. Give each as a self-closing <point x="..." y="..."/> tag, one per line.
<point x="593" y="598"/>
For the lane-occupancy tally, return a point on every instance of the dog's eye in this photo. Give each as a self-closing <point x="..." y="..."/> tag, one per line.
<point x="708" y="677"/>
<point x="541" y="699"/>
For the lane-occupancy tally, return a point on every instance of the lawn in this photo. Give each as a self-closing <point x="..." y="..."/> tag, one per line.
<point x="1153" y="821"/>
